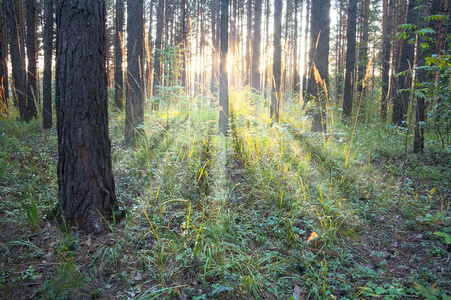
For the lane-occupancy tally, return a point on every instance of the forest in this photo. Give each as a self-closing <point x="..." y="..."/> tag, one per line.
<point x="225" y="149"/>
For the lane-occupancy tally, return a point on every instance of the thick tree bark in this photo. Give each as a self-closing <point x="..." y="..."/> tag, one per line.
<point x="386" y="50"/>
<point x="350" y="59"/>
<point x="17" y="50"/>
<point x="277" y="63"/>
<point x="85" y="178"/>
<point x="3" y="61"/>
<point x="156" y="62"/>
<point x="119" y="50"/>
<point x="48" y="51"/>
<point x="319" y="60"/>
<point x="134" y="107"/>
<point x="32" y="80"/>
<point x="223" y="81"/>
<point x="256" y="46"/>
<point x="401" y="100"/>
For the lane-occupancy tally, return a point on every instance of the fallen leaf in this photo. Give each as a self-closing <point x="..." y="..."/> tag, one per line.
<point x="313" y="236"/>
<point x="297" y="294"/>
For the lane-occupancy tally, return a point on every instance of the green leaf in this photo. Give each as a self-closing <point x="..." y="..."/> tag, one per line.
<point x="219" y="288"/>
<point x="446" y="236"/>
<point x="436" y="18"/>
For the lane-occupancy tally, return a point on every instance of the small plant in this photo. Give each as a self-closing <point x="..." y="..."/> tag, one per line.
<point x="430" y="293"/>
<point x="388" y="291"/>
<point x="32" y="211"/>
<point x="445" y="235"/>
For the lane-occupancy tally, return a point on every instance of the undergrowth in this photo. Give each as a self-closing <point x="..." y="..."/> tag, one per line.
<point x="272" y="211"/>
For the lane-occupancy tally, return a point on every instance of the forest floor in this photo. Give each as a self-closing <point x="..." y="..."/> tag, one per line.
<point x="271" y="212"/>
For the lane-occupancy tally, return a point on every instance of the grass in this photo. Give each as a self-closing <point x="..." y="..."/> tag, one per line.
<point x="270" y="212"/>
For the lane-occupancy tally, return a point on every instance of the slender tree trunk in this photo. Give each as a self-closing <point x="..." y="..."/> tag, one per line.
<point x="277" y="63"/>
<point x="201" y="47"/>
<point x="134" y="107"/>
<point x="350" y="59"/>
<point x="286" y="48"/>
<point x="386" y="50"/>
<point x="119" y="50"/>
<point x="296" y="86"/>
<point x="149" y="52"/>
<point x="319" y="60"/>
<point x="399" y="16"/>
<point x="248" y="42"/>
<point x="232" y="49"/>
<point x="256" y="46"/>
<point x="306" y="57"/>
<point x="223" y="81"/>
<point x="48" y="51"/>
<point x="85" y="177"/>
<point x="17" y="50"/>
<point x="32" y="80"/>
<point x="166" y="21"/>
<point x="156" y="66"/>
<point x="339" y="75"/>
<point x="418" y="144"/>
<point x="213" y="43"/>
<point x="363" y="53"/>
<point x="184" y="42"/>
<point x="401" y="100"/>
<point x="266" y="61"/>
<point x="3" y="61"/>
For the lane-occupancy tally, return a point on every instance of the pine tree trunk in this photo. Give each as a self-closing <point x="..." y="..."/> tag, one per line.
<point x="223" y="81"/>
<point x="156" y="62"/>
<point x="420" y="74"/>
<point x="286" y="49"/>
<point x="350" y="59"/>
<point x="17" y="50"/>
<point x="32" y="80"/>
<point x="339" y="76"/>
<point x="266" y="60"/>
<point x="248" y="79"/>
<point x="277" y="63"/>
<point x="119" y="50"/>
<point x="401" y="99"/>
<point x="48" y="51"/>
<point x="85" y="178"/>
<point x="134" y="107"/>
<point x="296" y="86"/>
<point x="363" y="53"/>
<point x="3" y="61"/>
<point x="256" y="46"/>
<point x="306" y="57"/>
<point x="213" y="48"/>
<point x="319" y="59"/>
<point x="149" y="69"/>
<point x="386" y="49"/>
<point x="184" y="42"/>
